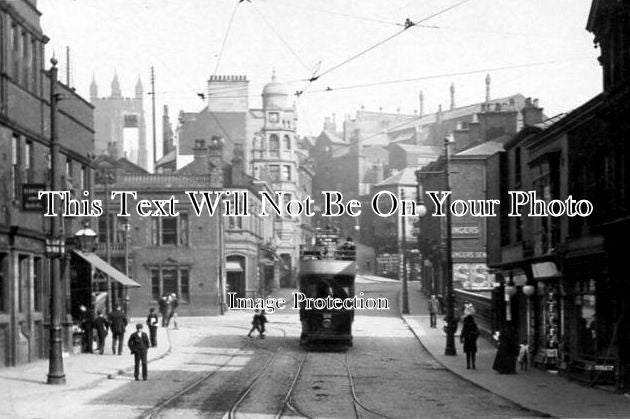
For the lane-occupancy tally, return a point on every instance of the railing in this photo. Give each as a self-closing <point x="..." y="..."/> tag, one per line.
<point x="163" y="180"/>
<point x="327" y="253"/>
<point x="101" y="247"/>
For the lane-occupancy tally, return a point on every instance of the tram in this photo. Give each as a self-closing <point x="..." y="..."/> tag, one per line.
<point x="326" y="273"/>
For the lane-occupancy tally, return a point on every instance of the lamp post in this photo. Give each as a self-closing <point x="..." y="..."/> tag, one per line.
<point x="55" y="248"/>
<point x="451" y="321"/>
<point x="403" y="251"/>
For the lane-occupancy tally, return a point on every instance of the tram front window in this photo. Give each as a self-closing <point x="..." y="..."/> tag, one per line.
<point x="334" y="287"/>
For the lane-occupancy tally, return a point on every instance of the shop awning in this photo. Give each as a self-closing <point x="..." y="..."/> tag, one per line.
<point x="106" y="268"/>
<point x="233" y="266"/>
<point x="545" y="270"/>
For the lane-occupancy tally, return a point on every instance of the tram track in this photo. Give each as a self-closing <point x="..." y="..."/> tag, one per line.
<point x="231" y="414"/>
<point x="156" y="410"/>
<point x="358" y="406"/>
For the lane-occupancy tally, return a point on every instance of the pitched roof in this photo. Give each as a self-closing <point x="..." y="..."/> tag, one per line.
<point x="519" y="101"/>
<point x="167" y="158"/>
<point x="418" y="149"/>
<point x="405" y="176"/>
<point x="487" y="148"/>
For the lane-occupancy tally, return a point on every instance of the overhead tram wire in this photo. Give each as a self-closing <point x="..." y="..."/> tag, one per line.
<point x="286" y="44"/>
<point x="329" y="89"/>
<point x="408" y="24"/>
<point x="437" y="76"/>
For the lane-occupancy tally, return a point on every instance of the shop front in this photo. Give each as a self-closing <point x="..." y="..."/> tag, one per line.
<point x="591" y="301"/>
<point x="528" y="293"/>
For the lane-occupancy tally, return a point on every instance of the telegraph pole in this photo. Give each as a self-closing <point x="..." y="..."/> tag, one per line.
<point x="152" y="93"/>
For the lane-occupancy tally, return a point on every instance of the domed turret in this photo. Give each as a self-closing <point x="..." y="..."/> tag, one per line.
<point x="275" y="94"/>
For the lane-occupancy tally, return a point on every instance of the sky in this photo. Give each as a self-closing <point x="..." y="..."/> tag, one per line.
<point x="539" y="48"/>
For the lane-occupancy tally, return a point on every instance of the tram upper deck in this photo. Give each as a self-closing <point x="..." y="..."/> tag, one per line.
<point x="325" y="257"/>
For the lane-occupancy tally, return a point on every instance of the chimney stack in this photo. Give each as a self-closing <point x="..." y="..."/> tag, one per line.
<point x="532" y="114"/>
<point x="452" y="96"/>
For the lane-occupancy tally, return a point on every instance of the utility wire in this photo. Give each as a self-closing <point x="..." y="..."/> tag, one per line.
<point x="429" y="77"/>
<point x="408" y="24"/>
<point x="286" y="44"/>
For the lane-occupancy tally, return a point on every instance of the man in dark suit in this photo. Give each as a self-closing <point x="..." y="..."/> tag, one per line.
<point x="101" y="325"/>
<point x="117" y="324"/>
<point x="139" y="346"/>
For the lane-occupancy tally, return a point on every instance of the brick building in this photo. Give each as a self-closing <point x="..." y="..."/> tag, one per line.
<point x="180" y="254"/>
<point x="25" y="144"/>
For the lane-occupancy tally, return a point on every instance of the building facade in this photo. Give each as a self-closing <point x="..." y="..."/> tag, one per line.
<point x="25" y="140"/>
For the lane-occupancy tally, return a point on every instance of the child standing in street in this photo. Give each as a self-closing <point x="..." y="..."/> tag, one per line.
<point x="152" y="322"/>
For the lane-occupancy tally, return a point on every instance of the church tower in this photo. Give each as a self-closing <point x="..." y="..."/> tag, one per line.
<point x="119" y="123"/>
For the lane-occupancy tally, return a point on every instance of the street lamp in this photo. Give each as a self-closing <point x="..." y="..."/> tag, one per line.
<point x="86" y="238"/>
<point x="451" y="321"/>
<point x="55" y="247"/>
<point x="125" y="227"/>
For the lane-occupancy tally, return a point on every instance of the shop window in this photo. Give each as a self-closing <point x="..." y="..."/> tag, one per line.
<point x="594" y="320"/>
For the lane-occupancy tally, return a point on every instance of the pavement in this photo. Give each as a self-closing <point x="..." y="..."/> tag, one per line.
<point x="25" y="393"/>
<point x="543" y="392"/>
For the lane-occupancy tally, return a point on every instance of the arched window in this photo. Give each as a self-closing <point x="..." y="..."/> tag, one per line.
<point x="274" y="146"/>
<point x="286" y="143"/>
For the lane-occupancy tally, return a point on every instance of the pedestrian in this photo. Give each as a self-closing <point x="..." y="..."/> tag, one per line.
<point x="505" y="360"/>
<point x="173" y="310"/>
<point x="152" y="322"/>
<point x="469" y="335"/>
<point x="86" y="326"/>
<point x="117" y="324"/>
<point x="523" y="355"/>
<point x="139" y="346"/>
<point x="101" y="325"/>
<point x="433" y="306"/>
<point x="262" y="320"/>
<point x="468" y="309"/>
<point x="255" y="323"/>
<point x="163" y="304"/>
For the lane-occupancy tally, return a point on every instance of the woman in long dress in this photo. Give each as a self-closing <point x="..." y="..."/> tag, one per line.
<point x="505" y="361"/>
